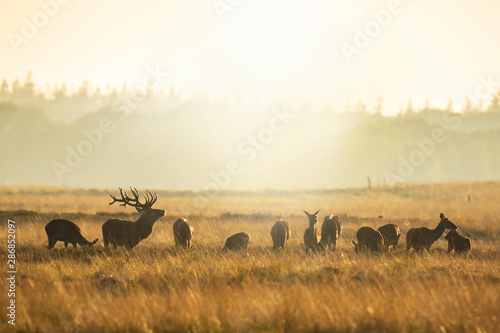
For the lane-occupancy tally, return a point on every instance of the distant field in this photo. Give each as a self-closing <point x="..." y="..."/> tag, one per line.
<point x="157" y="288"/>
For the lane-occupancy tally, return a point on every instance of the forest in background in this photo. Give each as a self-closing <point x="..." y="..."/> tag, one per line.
<point x="138" y="136"/>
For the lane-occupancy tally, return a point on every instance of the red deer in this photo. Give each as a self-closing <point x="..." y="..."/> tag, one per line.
<point x="67" y="232"/>
<point x="311" y="234"/>
<point x="459" y="243"/>
<point x="370" y="238"/>
<point x="280" y="232"/>
<point x="127" y="233"/>
<point x="183" y="233"/>
<point x="422" y="238"/>
<point x="330" y="232"/>
<point x="391" y="234"/>
<point x="239" y="241"/>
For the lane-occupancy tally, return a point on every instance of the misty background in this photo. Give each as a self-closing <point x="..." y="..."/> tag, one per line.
<point x="248" y="94"/>
<point x="165" y="141"/>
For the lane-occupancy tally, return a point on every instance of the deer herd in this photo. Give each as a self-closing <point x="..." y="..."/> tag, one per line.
<point x="128" y="234"/>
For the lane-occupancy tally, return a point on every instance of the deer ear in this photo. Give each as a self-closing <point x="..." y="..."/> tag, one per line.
<point x="316" y="213"/>
<point x="307" y="213"/>
<point x="441" y="216"/>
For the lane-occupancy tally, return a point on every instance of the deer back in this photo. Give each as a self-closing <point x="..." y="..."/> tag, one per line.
<point x="280" y="233"/>
<point x="330" y="228"/>
<point x="391" y="234"/>
<point x="239" y="241"/>
<point x="458" y="242"/>
<point x="64" y="230"/>
<point x="370" y="238"/>
<point x="418" y="237"/>
<point x="183" y="232"/>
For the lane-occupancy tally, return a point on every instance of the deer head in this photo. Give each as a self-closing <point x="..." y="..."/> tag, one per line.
<point x="357" y="248"/>
<point x="447" y="223"/>
<point x="144" y="208"/>
<point x="313" y="218"/>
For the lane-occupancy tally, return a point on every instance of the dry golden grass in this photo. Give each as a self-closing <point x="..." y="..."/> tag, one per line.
<point x="157" y="288"/>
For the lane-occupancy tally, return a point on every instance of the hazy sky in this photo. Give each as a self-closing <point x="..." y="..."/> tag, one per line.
<point x="288" y="49"/>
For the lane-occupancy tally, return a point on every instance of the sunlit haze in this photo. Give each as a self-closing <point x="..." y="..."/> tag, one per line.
<point x="248" y="94"/>
<point x="288" y="49"/>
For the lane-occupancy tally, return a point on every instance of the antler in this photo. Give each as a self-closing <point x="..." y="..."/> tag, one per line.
<point x="134" y="202"/>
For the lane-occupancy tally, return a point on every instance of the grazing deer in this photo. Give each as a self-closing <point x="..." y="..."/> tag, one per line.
<point x="330" y="232"/>
<point x="239" y="241"/>
<point x="459" y="243"/>
<point x="280" y="232"/>
<point x="127" y="233"/>
<point x="183" y="233"/>
<point x="391" y="234"/>
<point x="423" y="238"/>
<point x="67" y="232"/>
<point x="370" y="238"/>
<point x="311" y="234"/>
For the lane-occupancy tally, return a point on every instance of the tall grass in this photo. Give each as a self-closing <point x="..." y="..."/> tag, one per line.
<point x="158" y="288"/>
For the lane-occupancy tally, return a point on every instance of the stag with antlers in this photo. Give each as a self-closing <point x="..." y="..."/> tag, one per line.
<point x="127" y="233"/>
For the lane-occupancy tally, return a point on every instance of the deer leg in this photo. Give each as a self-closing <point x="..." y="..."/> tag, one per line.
<point x="65" y="244"/>
<point x="52" y="242"/>
<point x="74" y="245"/>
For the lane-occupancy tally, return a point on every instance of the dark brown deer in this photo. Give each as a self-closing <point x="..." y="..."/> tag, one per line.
<point x="67" y="232"/>
<point x="422" y="238"/>
<point x="459" y="243"/>
<point x="330" y="232"/>
<point x="239" y="241"/>
<point x="311" y="235"/>
<point x="127" y="233"/>
<point x="391" y="234"/>
<point x="183" y="233"/>
<point x="280" y="233"/>
<point x="370" y="239"/>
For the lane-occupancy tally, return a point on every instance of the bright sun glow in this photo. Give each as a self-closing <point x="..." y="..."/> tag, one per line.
<point x="270" y="38"/>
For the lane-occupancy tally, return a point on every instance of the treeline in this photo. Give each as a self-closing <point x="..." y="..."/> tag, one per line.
<point x="158" y="140"/>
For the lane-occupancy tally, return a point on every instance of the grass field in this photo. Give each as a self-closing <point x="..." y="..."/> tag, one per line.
<point x="157" y="288"/>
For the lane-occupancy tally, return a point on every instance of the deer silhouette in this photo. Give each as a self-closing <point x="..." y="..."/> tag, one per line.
<point x="280" y="233"/>
<point x="311" y="235"/>
<point x="370" y="239"/>
<point x="459" y="243"/>
<point x="183" y="233"/>
<point x="127" y="233"/>
<point x="67" y="232"/>
<point x="330" y="232"/>
<point x="391" y="234"/>
<point x="239" y="241"/>
<point x="422" y="238"/>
